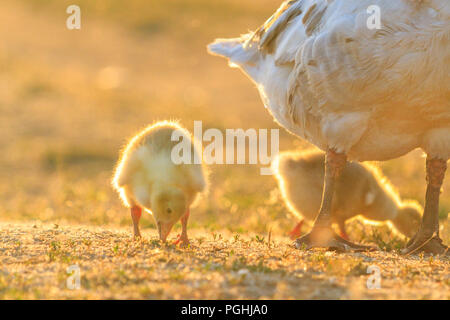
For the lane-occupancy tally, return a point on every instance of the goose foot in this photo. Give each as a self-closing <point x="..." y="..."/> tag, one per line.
<point x="325" y="237"/>
<point x="426" y="244"/>
<point x="427" y="238"/>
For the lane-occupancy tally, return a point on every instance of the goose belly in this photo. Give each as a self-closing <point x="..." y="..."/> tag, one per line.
<point x="377" y="133"/>
<point x="381" y="138"/>
<point x="380" y="145"/>
<point x="273" y="86"/>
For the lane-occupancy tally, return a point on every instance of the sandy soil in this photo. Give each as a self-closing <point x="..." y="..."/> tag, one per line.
<point x="34" y="261"/>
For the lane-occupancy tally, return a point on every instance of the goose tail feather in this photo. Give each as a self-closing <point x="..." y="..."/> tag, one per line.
<point x="239" y="54"/>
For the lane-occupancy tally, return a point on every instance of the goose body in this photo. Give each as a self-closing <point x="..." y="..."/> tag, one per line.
<point x="371" y="94"/>
<point x="355" y="91"/>
<point x="147" y="177"/>
<point x="360" y="190"/>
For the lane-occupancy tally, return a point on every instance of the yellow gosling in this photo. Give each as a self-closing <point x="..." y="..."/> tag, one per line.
<point x="147" y="177"/>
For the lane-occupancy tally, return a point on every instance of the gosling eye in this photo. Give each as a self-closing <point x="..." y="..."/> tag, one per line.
<point x="169" y="210"/>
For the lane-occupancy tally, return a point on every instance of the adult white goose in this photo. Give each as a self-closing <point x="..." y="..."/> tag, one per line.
<point x="357" y="92"/>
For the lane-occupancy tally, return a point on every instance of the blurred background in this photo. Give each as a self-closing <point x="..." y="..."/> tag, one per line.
<point x="70" y="99"/>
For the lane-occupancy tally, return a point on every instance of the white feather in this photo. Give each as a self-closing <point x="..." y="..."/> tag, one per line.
<point x="373" y="94"/>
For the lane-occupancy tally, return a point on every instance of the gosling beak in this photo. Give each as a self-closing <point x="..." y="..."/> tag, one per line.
<point x="164" y="230"/>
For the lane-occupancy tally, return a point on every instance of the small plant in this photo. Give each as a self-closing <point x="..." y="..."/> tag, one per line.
<point x="320" y="257"/>
<point x="303" y="247"/>
<point x="394" y="243"/>
<point x="55" y="251"/>
<point x="359" y="269"/>
<point x="270" y="238"/>
<point x="155" y="242"/>
<point x="216" y="236"/>
<point x="259" y="239"/>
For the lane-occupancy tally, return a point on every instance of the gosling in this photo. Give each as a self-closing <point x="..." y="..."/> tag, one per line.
<point x="361" y="190"/>
<point x="162" y="175"/>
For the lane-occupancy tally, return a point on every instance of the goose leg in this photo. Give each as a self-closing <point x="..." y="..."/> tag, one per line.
<point x="322" y="235"/>
<point x="183" y="239"/>
<point x="427" y="238"/>
<point x="136" y="216"/>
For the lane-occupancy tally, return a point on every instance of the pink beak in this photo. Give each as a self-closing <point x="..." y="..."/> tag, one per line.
<point x="164" y="230"/>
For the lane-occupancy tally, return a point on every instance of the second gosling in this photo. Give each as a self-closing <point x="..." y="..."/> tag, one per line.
<point x="360" y="190"/>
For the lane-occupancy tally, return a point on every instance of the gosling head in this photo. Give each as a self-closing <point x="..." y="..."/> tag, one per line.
<point x="408" y="219"/>
<point x="168" y="206"/>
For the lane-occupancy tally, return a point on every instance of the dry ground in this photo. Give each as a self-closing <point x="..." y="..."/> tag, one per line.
<point x="68" y="102"/>
<point x="35" y="258"/>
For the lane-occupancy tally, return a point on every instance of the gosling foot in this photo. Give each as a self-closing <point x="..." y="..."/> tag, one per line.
<point x="182" y="241"/>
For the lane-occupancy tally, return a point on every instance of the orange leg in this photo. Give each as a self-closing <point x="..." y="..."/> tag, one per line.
<point x="183" y="238"/>
<point x="297" y="231"/>
<point x="136" y="213"/>
<point x="342" y="231"/>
